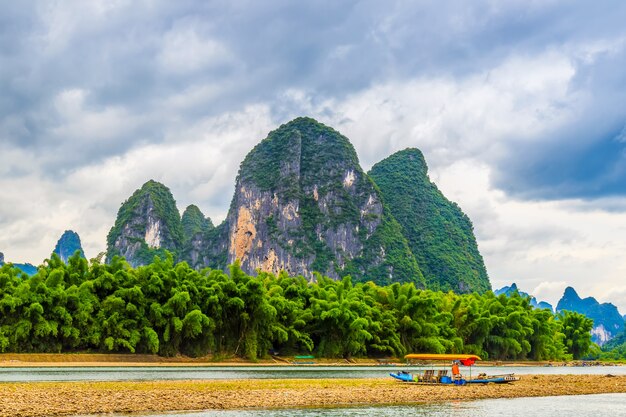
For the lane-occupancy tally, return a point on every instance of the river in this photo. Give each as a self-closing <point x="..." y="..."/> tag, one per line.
<point x="129" y="373"/>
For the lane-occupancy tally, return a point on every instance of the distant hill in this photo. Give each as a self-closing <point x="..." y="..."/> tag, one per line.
<point x="26" y="268"/>
<point x="67" y="245"/>
<point x="607" y="322"/>
<point x="533" y="301"/>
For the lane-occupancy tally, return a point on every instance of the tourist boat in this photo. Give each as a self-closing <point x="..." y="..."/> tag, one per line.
<point x="441" y="376"/>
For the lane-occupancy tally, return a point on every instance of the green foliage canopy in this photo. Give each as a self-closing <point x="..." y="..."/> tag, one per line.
<point x="169" y="309"/>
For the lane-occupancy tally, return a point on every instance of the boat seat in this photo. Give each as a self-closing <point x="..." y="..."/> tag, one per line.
<point x="441" y="373"/>
<point x="429" y="376"/>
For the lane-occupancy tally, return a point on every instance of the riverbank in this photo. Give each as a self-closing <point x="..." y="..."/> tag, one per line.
<point x="112" y="359"/>
<point x="80" y="398"/>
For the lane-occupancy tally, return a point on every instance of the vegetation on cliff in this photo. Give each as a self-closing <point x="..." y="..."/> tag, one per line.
<point x="194" y="222"/>
<point x="169" y="308"/>
<point x="439" y="234"/>
<point x="614" y="349"/>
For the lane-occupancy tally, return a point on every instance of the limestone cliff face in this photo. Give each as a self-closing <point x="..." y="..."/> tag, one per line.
<point x="67" y="245"/>
<point x="302" y="204"/>
<point x="147" y="224"/>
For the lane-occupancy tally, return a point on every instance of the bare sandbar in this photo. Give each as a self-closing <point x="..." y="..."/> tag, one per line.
<point x="74" y="398"/>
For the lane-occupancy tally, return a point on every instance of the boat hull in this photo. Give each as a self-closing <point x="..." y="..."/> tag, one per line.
<point x="496" y="379"/>
<point x="402" y="376"/>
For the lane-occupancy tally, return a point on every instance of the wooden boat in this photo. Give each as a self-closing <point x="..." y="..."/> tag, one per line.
<point x="429" y="376"/>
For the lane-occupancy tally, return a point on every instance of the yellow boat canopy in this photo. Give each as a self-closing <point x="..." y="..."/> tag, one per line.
<point x="442" y="357"/>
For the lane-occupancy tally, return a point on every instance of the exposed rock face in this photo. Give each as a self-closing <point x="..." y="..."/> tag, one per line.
<point x="302" y="203"/>
<point x="147" y="224"/>
<point x="439" y="234"/>
<point x="607" y="322"/>
<point x="67" y="245"/>
<point x="508" y="291"/>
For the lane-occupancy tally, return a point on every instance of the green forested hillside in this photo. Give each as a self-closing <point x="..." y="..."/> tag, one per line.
<point x="193" y="222"/>
<point x="169" y="308"/>
<point x="440" y="235"/>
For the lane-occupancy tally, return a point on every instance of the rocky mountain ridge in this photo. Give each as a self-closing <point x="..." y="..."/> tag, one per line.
<point x="26" y="268"/>
<point x="607" y="322"/>
<point x="508" y="290"/>
<point x="302" y="204"/>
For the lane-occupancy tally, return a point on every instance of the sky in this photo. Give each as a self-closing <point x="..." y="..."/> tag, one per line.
<point x="518" y="107"/>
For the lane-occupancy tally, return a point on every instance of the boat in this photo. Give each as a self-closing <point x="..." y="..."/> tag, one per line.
<point x="403" y="376"/>
<point x="441" y="376"/>
<point x="298" y="360"/>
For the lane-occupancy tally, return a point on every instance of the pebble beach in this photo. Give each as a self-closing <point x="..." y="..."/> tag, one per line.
<point x="84" y="398"/>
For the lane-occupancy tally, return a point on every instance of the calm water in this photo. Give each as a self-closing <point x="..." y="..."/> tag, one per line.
<point x="258" y="372"/>
<point x="613" y="405"/>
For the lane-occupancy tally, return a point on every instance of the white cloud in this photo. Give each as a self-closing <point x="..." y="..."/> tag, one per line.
<point x="540" y="245"/>
<point x="550" y="290"/>
<point x="78" y="123"/>
<point x="184" y="50"/>
<point x="451" y="119"/>
<point x="198" y="164"/>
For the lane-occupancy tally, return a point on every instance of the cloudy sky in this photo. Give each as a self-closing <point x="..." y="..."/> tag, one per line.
<point x="518" y="106"/>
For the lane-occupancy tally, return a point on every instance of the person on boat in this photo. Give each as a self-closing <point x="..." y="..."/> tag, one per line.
<point x="456" y="374"/>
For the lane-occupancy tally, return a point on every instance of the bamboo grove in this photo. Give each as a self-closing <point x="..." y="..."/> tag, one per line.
<point x="170" y="309"/>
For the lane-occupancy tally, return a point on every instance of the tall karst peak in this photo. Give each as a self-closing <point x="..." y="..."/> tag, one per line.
<point x="440" y="235"/>
<point x="302" y="203"/>
<point x="147" y="224"/>
<point x="571" y="294"/>
<point x="68" y="245"/>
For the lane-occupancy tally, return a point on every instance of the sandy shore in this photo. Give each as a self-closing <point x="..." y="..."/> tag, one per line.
<point x="72" y="398"/>
<point x="8" y="360"/>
